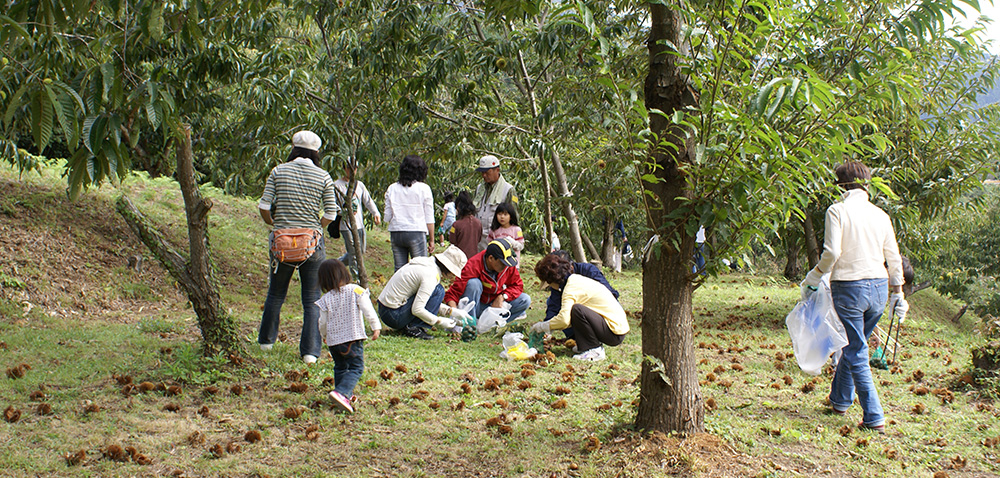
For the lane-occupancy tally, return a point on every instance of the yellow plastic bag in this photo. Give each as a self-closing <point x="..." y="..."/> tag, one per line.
<point x="515" y="348"/>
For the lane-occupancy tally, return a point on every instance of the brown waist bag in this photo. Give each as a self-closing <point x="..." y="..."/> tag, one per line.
<point x="294" y="245"/>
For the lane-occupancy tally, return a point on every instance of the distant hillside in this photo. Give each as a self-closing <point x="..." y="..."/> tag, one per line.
<point x="990" y="97"/>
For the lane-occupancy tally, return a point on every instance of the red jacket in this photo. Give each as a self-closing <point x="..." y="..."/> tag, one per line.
<point x="508" y="282"/>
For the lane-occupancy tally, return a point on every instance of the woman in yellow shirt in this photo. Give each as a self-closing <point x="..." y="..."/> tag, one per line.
<point x="587" y="306"/>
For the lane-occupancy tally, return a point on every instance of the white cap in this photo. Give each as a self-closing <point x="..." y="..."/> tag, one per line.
<point x="488" y="162"/>
<point x="307" y="139"/>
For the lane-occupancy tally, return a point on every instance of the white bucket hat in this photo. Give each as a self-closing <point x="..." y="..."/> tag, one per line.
<point x="307" y="139"/>
<point x="453" y="259"/>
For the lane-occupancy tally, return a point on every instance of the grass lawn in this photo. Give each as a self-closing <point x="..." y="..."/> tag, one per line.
<point x="112" y="383"/>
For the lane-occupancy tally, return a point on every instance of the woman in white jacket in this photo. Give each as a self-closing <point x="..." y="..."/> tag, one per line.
<point x="859" y="242"/>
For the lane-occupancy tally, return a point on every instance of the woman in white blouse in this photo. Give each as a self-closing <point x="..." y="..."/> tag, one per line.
<point x="409" y="211"/>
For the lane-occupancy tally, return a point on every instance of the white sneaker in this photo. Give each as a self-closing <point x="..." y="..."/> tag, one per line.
<point x="342" y="402"/>
<point x="266" y="347"/>
<point x="309" y="359"/>
<point x="592" y="355"/>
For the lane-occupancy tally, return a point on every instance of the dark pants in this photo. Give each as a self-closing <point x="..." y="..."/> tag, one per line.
<point x="310" y="342"/>
<point x="591" y="329"/>
<point x="402" y="317"/>
<point x="348" y="365"/>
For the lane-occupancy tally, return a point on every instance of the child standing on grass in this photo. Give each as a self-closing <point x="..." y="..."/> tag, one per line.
<point x="340" y="324"/>
<point x="449" y="216"/>
<point x="505" y="225"/>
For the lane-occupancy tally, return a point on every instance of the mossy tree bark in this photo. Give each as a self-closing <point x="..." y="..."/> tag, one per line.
<point x="670" y="397"/>
<point x="219" y="330"/>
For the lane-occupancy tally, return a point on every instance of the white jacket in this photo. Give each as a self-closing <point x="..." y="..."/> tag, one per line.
<point x="860" y="241"/>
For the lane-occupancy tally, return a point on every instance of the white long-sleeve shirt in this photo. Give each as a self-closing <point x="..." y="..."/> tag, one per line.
<point x="340" y="313"/>
<point x="416" y="279"/>
<point x="860" y="241"/>
<point x="409" y="209"/>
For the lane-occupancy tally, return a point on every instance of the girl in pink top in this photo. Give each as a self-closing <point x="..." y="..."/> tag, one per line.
<point x="505" y="225"/>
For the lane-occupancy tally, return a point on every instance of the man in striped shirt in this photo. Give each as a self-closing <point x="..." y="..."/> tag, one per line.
<point x="295" y="194"/>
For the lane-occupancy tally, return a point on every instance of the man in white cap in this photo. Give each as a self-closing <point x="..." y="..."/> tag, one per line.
<point x="493" y="191"/>
<point x="295" y="190"/>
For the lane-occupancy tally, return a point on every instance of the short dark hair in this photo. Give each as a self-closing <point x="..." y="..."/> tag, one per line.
<point x="507" y="208"/>
<point x="563" y="254"/>
<point x="463" y="204"/>
<point x="298" y="152"/>
<point x="449" y="196"/>
<point x="412" y="169"/>
<point x="849" y="174"/>
<point x="554" y="269"/>
<point x="333" y="274"/>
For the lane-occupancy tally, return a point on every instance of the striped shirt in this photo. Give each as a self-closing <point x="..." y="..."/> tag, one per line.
<point x="296" y="193"/>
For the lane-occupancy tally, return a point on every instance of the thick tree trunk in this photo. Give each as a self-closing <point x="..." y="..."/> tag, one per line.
<point x="219" y="330"/>
<point x="670" y="398"/>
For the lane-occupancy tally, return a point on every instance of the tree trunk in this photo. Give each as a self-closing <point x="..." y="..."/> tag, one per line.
<point x="352" y="228"/>
<point x="547" y="194"/>
<point x="670" y="398"/>
<point x="219" y="330"/>
<point x="608" y="242"/>
<point x="592" y="249"/>
<point x="792" y="248"/>
<point x="812" y="245"/>
<point x="562" y="189"/>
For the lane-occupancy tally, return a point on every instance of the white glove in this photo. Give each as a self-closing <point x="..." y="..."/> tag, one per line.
<point x="541" y="328"/>
<point x="897" y="301"/>
<point x="459" y="314"/>
<point x="810" y="283"/>
<point x="446" y="323"/>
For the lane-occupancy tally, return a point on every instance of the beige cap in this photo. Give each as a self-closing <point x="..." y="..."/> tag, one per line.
<point x="453" y="259"/>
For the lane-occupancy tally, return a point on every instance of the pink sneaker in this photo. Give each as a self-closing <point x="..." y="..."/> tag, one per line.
<point x="343" y="403"/>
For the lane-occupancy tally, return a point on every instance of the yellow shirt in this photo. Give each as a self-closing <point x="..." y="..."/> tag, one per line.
<point x="593" y="295"/>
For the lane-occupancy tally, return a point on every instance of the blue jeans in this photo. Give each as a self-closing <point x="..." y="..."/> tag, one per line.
<point x="402" y="317"/>
<point x="699" y="259"/>
<point x="407" y="245"/>
<point x="349" y="257"/>
<point x="278" y="280"/>
<point x="348" y="365"/>
<point x="474" y="291"/>
<point x="859" y="304"/>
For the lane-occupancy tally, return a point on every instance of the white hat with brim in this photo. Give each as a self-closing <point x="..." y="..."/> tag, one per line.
<point x="307" y="140"/>
<point x="453" y="259"/>
<point x="487" y="163"/>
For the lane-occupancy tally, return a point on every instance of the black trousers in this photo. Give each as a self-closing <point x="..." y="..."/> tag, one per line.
<point x="591" y="329"/>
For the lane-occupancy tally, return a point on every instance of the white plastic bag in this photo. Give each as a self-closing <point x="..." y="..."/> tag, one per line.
<point x="515" y="348"/>
<point x="815" y="329"/>
<point x="490" y="318"/>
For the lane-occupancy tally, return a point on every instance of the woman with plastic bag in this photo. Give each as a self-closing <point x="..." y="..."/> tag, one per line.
<point x="587" y="305"/>
<point x="859" y="243"/>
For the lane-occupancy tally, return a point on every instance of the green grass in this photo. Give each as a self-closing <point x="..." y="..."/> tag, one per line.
<point x="128" y="324"/>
